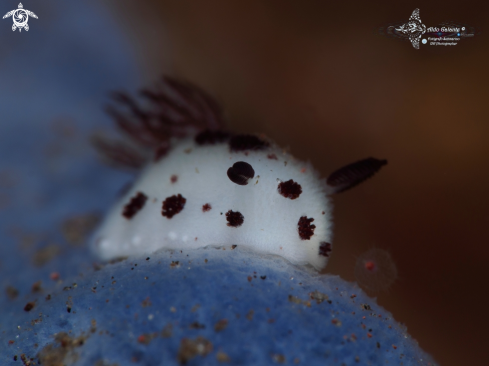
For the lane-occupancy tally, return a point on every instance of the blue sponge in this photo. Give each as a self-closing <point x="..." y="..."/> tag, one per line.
<point x="204" y="307"/>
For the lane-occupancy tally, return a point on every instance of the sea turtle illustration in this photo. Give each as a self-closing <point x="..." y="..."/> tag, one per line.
<point x="20" y="17"/>
<point x="413" y="28"/>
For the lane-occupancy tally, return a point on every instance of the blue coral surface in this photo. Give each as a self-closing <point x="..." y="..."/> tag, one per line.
<point x="203" y="307"/>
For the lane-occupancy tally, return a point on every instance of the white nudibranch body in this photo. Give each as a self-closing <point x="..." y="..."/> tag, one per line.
<point x="283" y="209"/>
<point x="207" y="187"/>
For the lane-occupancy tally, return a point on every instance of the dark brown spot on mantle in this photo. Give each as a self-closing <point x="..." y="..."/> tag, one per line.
<point x="306" y="230"/>
<point x="135" y="205"/>
<point x="290" y="189"/>
<point x="247" y="142"/>
<point x="324" y="249"/>
<point x="240" y="173"/>
<point x="173" y="205"/>
<point x="206" y="207"/>
<point x="234" y="219"/>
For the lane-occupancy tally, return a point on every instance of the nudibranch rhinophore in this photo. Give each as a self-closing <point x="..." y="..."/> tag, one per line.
<point x="207" y="187"/>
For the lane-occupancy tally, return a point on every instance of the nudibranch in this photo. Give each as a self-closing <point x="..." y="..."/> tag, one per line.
<point x="204" y="186"/>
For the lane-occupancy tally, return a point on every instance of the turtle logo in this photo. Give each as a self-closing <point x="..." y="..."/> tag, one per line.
<point x="20" y="17"/>
<point x="414" y="28"/>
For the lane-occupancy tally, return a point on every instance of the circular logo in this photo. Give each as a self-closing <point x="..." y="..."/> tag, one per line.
<point x="20" y="18"/>
<point x="424" y="41"/>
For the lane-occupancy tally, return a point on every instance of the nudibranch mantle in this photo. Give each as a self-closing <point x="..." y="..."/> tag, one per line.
<point x="208" y="187"/>
<point x="296" y="226"/>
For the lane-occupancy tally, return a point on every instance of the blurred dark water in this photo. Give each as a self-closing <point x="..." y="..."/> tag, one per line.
<point x="313" y="76"/>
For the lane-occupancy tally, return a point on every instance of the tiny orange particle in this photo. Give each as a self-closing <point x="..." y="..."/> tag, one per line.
<point x="370" y="265"/>
<point x="375" y="270"/>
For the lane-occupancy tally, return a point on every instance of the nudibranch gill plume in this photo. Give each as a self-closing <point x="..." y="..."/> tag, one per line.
<point x="203" y="186"/>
